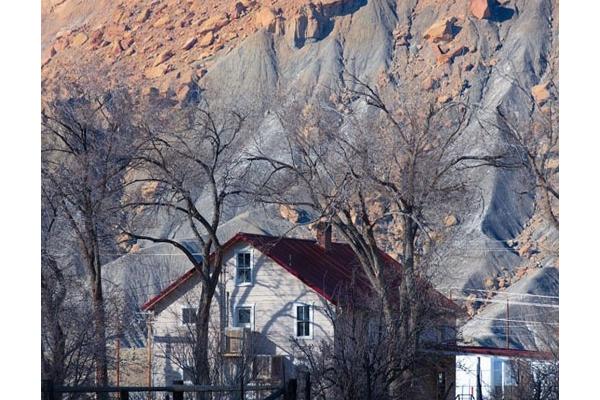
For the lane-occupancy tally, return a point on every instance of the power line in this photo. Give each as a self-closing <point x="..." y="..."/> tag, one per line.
<point x="522" y="303"/>
<point x="515" y="320"/>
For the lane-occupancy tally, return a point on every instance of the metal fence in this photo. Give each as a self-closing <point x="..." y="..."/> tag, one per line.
<point x="177" y="391"/>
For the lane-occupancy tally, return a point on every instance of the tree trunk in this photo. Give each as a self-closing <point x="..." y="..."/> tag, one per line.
<point x="408" y="304"/>
<point x="202" y="364"/>
<point x="99" y="333"/>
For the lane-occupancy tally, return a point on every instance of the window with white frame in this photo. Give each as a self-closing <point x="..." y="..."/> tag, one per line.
<point x="243" y="270"/>
<point x="244" y="316"/>
<point x="187" y="375"/>
<point x="304" y="320"/>
<point x="188" y="315"/>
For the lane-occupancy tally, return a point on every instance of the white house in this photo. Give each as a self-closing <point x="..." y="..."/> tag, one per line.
<point x="275" y="290"/>
<point x="489" y="373"/>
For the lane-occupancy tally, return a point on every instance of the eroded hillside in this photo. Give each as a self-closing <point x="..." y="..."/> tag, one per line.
<point x="253" y="50"/>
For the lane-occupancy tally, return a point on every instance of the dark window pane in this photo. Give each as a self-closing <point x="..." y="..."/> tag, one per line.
<point x="243" y="260"/>
<point x="303" y="320"/>
<point x="243" y="315"/>
<point x="189" y="315"/>
<point x="243" y="274"/>
<point x="302" y="313"/>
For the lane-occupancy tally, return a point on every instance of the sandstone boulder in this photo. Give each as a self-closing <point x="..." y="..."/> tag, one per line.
<point x="472" y="304"/>
<point x="449" y="56"/>
<point x="527" y="250"/>
<point x="441" y="31"/>
<point x="79" y="39"/>
<point x="215" y="23"/>
<point x="149" y="188"/>
<point x="96" y="37"/>
<point x="489" y="283"/>
<point x="183" y="92"/>
<point x="150" y="91"/>
<point x="552" y="163"/>
<point x="155" y="72"/>
<point x="162" y="57"/>
<point x="143" y="16"/>
<point x="63" y="33"/>
<point x="450" y="220"/>
<point x="443" y="99"/>
<point x="116" y="48"/>
<point x="540" y="93"/>
<point x="61" y="44"/>
<point x="48" y="54"/>
<point x="289" y="213"/>
<point x="429" y="83"/>
<point x="266" y="18"/>
<point x="191" y="42"/>
<point x="162" y="21"/>
<point x="207" y="40"/>
<point x="480" y="9"/>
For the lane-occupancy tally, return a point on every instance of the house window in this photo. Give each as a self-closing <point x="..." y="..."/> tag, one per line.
<point x="187" y="375"/>
<point x="188" y="315"/>
<point x="243" y="316"/>
<point x="303" y="321"/>
<point x="243" y="273"/>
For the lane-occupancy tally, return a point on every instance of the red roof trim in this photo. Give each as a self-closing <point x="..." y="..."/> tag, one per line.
<point x="500" y="352"/>
<point x="182" y="279"/>
<point x="254" y="240"/>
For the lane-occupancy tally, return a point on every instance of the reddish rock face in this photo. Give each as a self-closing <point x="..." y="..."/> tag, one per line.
<point x="441" y="31"/>
<point x="480" y="9"/>
<point x="266" y="18"/>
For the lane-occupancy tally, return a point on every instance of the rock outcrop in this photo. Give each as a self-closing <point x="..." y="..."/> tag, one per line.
<point x="480" y="9"/>
<point x="441" y="31"/>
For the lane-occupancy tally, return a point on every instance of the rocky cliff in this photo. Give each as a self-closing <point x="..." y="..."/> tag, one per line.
<point x="249" y="51"/>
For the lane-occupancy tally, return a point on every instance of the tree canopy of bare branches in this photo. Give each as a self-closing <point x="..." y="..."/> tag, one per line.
<point x="374" y="165"/>
<point x="87" y="147"/>
<point x="193" y="164"/>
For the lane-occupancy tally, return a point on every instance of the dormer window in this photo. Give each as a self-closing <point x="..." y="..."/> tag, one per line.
<point x="243" y="273"/>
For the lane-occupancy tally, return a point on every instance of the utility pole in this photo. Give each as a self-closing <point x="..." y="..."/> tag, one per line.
<point x="479" y="393"/>
<point x="149" y="347"/>
<point x="507" y="324"/>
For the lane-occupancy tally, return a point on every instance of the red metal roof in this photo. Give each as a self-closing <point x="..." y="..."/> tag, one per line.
<point x="499" y="352"/>
<point x="323" y="271"/>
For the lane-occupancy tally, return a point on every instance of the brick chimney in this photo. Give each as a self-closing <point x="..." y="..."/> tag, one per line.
<point x="324" y="235"/>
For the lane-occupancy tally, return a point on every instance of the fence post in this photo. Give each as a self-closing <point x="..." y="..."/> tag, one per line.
<point x="177" y="394"/>
<point x="290" y="390"/>
<point x="48" y="389"/>
<point x="123" y="394"/>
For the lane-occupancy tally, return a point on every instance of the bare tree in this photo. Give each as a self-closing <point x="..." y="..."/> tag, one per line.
<point x="193" y="156"/>
<point x="539" y="379"/>
<point x="67" y="340"/>
<point x="87" y="143"/>
<point x="357" y="363"/>
<point x="365" y="162"/>
<point x="237" y="368"/>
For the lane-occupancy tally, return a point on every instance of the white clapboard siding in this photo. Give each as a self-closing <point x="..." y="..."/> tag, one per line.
<point x="273" y="295"/>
